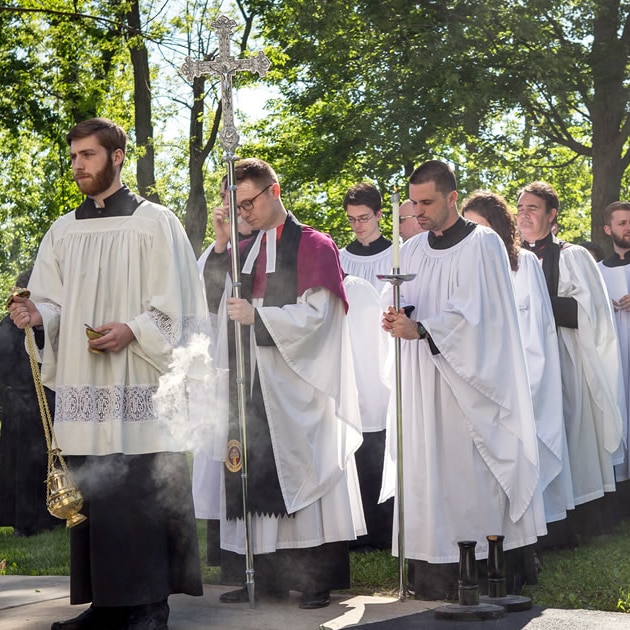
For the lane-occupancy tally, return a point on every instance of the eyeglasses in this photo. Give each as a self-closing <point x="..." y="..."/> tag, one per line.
<point x="248" y="204"/>
<point x="364" y="218"/>
<point x="407" y="216"/>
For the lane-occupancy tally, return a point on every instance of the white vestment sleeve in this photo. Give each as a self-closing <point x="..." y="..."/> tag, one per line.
<point x="595" y="339"/>
<point x="47" y="274"/>
<point x="308" y="386"/>
<point x="369" y="348"/>
<point x="172" y="310"/>
<point x="617" y="281"/>
<point x="540" y="342"/>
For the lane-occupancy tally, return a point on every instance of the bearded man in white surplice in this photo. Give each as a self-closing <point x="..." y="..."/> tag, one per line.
<point x="616" y="272"/>
<point x="123" y="265"/>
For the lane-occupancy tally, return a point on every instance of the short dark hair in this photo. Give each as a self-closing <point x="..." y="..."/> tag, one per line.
<point x="363" y="194"/>
<point x="494" y="209"/>
<point x="611" y="207"/>
<point x="110" y="135"/>
<point x="595" y="249"/>
<point x="22" y="280"/>
<point x="440" y="173"/>
<point x="543" y="190"/>
<point x="256" y="170"/>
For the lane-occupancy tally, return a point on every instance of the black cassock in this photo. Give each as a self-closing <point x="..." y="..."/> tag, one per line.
<point x="23" y="454"/>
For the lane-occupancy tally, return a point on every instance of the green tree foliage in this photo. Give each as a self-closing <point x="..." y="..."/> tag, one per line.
<point x="507" y="92"/>
<point x="497" y="88"/>
<point x="60" y="62"/>
<point x="571" y="60"/>
<point x="198" y="108"/>
<point x="34" y="187"/>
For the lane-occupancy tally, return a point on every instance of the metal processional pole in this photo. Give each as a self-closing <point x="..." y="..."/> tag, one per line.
<point x="396" y="279"/>
<point x="225" y="66"/>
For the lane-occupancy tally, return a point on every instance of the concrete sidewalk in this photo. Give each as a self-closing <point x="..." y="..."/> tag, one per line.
<point x="33" y="603"/>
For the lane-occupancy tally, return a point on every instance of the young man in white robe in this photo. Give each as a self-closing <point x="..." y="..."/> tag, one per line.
<point x="370" y="254"/>
<point x="469" y="437"/>
<point x="589" y="357"/>
<point x="124" y="266"/>
<point x="302" y="412"/>
<point x="616" y="272"/>
<point x="367" y="257"/>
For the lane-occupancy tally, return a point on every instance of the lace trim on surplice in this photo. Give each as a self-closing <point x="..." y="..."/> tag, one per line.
<point x="115" y="403"/>
<point x="53" y="309"/>
<point x="177" y="331"/>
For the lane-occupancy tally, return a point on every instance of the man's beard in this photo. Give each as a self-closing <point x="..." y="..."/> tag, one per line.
<point x="100" y="182"/>
<point x="621" y="241"/>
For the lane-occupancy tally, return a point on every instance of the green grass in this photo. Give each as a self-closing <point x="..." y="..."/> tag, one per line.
<point x="374" y="573"/>
<point x="44" y="554"/>
<point x="596" y="576"/>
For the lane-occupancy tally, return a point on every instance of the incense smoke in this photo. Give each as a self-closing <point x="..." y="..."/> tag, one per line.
<point x="187" y="398"/>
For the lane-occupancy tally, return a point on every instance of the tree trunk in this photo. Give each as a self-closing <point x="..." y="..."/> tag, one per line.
<point x="145" y="172"/>
<point x="609" y="56"/>
<point x="607" y="173"/>
<point x="196" y="204"/>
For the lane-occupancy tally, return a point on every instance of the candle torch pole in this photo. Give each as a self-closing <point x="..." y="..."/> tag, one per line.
<point x="396" y="278"/>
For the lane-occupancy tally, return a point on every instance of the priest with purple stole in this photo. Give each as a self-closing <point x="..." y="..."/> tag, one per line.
<point x="302" y="410"/>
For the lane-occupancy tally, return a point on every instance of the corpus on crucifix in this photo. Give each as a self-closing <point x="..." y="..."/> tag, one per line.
<point x="226" y="66"/>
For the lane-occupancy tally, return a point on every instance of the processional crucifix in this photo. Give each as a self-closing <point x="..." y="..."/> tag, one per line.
<point x="226" y="66"/>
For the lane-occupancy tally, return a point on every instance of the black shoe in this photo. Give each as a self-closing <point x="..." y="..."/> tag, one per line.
<point x="94" y="619"/>
<point x="319" y="599"/>
<point x="240" y="596"/>
<point x="147" y="623"/>
<point x="149" y="617"/>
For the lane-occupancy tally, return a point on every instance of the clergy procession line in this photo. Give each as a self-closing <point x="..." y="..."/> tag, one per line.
<point x="514" y="357"/>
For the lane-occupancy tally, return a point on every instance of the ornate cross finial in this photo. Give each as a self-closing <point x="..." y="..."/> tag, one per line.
<point x="226" y="66"/>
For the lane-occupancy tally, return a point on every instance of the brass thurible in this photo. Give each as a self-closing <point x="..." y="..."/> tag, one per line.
<point x="63" y="498"/>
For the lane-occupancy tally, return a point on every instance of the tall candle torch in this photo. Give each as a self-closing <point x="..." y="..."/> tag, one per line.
<point x="396" y="230"/>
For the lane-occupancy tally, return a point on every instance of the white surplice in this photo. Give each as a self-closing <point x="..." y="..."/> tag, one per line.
<point x="369" y="350"/>
<point x="540" y="342"/>
<point x="590" y="366"/>
<point x="617" y="281"/>
<point x="367" y="267"/>
<point x="469" y="436"/>
<point x="206" y="469"/>
<point x="140" y="270"/>
<point x="312" y="407"/>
